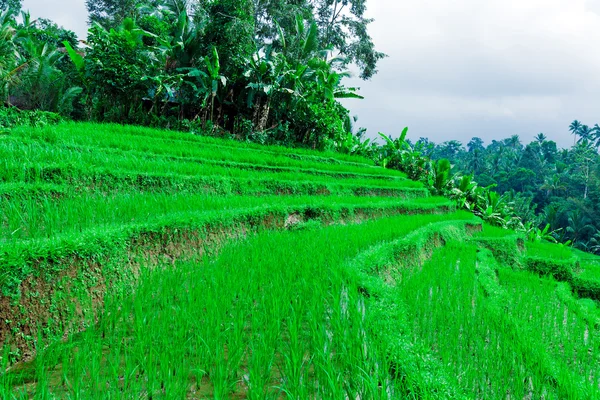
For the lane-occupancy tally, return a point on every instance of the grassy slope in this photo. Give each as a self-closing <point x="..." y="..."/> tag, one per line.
<point x="186" y="267"/>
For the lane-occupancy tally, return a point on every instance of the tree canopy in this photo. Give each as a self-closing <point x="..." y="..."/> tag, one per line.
<point x="13" y="5"/>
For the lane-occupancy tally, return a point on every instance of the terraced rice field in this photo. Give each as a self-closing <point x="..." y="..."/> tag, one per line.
<point x="138" y="263"/>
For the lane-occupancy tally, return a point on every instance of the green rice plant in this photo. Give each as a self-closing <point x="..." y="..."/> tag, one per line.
<point x="25" y="219"/>
<point x="507" y="246"/>
<point x="568" y="338"/>
<point x="106" y="137"/>
<point x="270" y="316"/>
<point x="466" y="325"/>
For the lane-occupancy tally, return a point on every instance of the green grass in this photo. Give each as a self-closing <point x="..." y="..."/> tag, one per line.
<point x="550" y="251"/>
<point x="140" y="263"/>
<point x="129" y="139"/>
<point x="35" y="219"/>
<point x="116" y="159"/>
<point x="270" y="316"/>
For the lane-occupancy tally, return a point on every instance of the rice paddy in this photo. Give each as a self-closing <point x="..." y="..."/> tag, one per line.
<point x="138" y="263"/>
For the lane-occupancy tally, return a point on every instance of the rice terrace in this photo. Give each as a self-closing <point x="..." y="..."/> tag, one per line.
<point x="136" y="262"/>
<point x="189" y="208"/>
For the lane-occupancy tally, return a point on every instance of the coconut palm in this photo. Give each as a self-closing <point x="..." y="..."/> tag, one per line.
<point x="596" y="137"/>
<point x="553" y="185"/>
<point x="579" y="227"/>
<point x="9" y="56"/>
<point x="574" y="129"/>
<point x="594" y="243"/>
<point x="586" y="134"/>
<point x="541" y="138"/>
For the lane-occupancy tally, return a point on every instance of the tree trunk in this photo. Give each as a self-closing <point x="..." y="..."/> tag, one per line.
<point x="256" y="113"/>
<point x="264" y="117"/>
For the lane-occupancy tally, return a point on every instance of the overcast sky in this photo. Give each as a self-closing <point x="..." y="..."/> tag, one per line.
<point x="463" y="68"/>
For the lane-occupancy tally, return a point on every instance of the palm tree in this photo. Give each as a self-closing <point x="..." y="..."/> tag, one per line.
<point x="579" y="226"/>
<point x="541" y="138"/>
<point x="594" y="243"/>
<point x="585" y="134"/>
<point x="596" y="138"/>
<point x="553" y="185"/>
<point x="574" y="128"/>
<point x="514" y="142"/>
<point x="8" y="53"/>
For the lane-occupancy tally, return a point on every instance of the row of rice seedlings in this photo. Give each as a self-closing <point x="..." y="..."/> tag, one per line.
<point x="157" y="146"/>
<point x="266" y="319"/>
<point x="69" y="129"/>
<point x="568" y="338"/>
<point x="328" y="157"/>
<point x="549" y="250"/>
<point x="29" y="190"/>
<point x="589" y="269"/>
<point x="490" y="231"/>
<point x="487" y="351"/>
<point x="246" y="182"/>
<point x="27" y="218"/>
<point x="38" y="162"/>
<point x="589" y="264"/>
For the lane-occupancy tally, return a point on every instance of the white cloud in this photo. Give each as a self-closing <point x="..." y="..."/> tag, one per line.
<point x="71" y="14"/>
<point x="499" y="66"/>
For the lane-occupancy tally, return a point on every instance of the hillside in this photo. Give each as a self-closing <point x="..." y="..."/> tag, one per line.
<point x="154" y="264"/>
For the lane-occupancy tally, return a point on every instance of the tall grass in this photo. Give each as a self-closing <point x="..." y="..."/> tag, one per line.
<point x="498" y="339"/>
<point x="27" y="218"/>
<point x="400" y="307"/>
<point x="269" y="317"/>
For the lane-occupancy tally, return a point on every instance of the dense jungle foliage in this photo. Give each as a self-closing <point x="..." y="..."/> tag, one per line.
<point x="267" y="71"/>
<point x="272" y="72"/>
<point x="552" y="188"/>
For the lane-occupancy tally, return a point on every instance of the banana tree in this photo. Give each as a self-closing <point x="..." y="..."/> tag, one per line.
<point x="443" y="180"/>
<point x="329" y="81"/>
<point x="400" y="154"/>
<point x="496" y="209"/>
<point x="207" y="83"/>
<point x="392" y="150"/>
<point x="269" y="74"/>
<point x="467" y="193"/>
<point x="214" y="75"/>
<point x="11" y="61"/>
<point x="535" y="234"/>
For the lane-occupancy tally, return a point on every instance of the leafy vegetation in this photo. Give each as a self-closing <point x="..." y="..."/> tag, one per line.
<point x="263" y="71"/>
<point x="555" y="193"/>
<point x="199" y="263"/>
<point x="227" y="255"/>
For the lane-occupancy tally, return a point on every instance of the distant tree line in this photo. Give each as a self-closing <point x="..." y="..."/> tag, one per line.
<point x="542" y="183"/>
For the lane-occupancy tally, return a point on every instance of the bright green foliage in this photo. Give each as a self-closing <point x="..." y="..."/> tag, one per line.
<point x="115" y="66"/>
<point x="267" y="272"/>
<point x="111" y="13"/>
<point x="229" y="27"/>
<point x="340" y="25"/>
<point x="33" y="75"/>
<point x="554" y="192"/>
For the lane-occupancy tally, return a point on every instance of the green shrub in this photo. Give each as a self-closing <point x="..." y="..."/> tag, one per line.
<point x="586" y="287"/>
<point x="560" y="270"/>
<point x="11" y="117"/>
